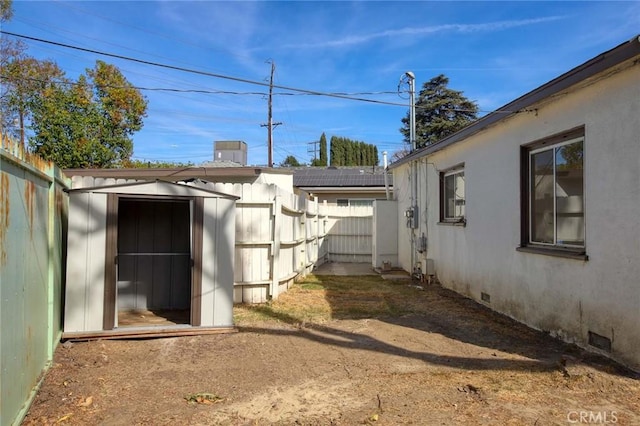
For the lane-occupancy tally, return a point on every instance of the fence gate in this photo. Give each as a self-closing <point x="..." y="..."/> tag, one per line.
<point x="349" y="233"/>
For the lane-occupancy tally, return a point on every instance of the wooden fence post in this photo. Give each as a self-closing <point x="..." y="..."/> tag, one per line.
<point x="275" y="248"/>
<point x="316" y="231"/>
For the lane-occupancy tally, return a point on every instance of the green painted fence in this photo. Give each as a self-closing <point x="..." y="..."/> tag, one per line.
<point x="33" y="215"/>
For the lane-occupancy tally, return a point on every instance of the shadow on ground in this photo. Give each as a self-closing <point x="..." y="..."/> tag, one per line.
<point x="438" y="312"/>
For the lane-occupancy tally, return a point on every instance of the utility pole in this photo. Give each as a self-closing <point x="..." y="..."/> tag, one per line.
<point x="313" y="150"/>
<point x="270" y="124"/>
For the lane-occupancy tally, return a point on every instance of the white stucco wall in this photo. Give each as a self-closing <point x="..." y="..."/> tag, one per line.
<point x="566" y="297"/>
<point x="385" y="243"/>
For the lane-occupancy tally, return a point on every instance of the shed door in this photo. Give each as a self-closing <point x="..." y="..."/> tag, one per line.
<point x="154" y="254"/>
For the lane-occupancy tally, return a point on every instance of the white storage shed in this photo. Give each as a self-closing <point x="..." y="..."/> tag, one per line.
<point x="149" y="258"/>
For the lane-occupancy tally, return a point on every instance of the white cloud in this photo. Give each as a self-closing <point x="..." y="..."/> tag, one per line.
<point x="419" y="31"/>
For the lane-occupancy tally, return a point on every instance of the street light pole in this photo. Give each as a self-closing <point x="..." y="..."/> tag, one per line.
<point x="412" y="109"/>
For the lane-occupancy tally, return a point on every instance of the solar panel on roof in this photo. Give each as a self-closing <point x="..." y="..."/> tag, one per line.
<point x="346" y="176"/>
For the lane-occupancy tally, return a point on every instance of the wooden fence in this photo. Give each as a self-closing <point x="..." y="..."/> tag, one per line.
<point x="280" y="235"/>
<point x="350" y="233"/>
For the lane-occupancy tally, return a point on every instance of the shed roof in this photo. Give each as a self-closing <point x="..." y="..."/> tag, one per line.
<point x="364" y="176"/>
<point x="156" y="187"/>
<point x="596" y="65"/>
<point x="175" y="173"/>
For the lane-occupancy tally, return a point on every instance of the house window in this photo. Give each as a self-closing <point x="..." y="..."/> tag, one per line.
<point x="555" y="193"/>
<point x="354" y="202"/>
<point x="452" y="197"/>
<point x="360" y="202"/>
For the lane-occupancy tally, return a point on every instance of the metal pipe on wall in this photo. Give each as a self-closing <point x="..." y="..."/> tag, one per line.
<point x="386" y="177"/>
<point x="414" y="175"/>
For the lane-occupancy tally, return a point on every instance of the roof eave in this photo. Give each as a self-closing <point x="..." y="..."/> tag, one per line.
<point x="108" y="188"/>
<point x="343" y="188"/>
<point x="174" y="173"/>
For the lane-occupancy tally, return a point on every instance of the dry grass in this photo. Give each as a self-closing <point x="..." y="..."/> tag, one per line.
<point x="319" y="299"/>
<point x="486" y="358"/>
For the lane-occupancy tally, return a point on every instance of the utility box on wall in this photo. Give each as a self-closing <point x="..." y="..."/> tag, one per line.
<point x="412" y="217"/>
<point x="385" y="234"/>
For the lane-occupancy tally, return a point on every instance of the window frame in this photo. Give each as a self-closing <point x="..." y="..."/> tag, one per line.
<point x="358" y="202"/>
<point x="451" y="220"/>
<point x="361" y="202"/>
<point x="527" y="151"/>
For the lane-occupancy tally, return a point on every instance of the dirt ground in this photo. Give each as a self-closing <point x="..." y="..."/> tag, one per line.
<point x="341" y="351"/>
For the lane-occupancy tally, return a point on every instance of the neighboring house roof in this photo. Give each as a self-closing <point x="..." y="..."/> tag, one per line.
<point x="339" y="177"/>
<point x="596" y="65"/>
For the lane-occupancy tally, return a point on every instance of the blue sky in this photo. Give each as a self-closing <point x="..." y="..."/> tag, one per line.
<point x="492" y="51"/>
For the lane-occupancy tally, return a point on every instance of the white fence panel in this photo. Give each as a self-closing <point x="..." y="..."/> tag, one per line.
<point x="350" y="233"/>
<point x="312" y="231"/>
<point x="292" y="237"/>
<point x="254" y="267"/>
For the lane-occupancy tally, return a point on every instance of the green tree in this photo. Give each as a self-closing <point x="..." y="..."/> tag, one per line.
<point x="88" y="123"/>
<point x="290" y="161"/>
<point x="322" y="161"/>
<point x="440" y="112"/>
<point x="52" y="120"/>
<point x="347" y="152"/>
<point x="350" y="150"/>
<point x="141" y="164"/>
<point x="23" y="78"/>
<point x="24" y="81"/>
<point x="9" y="51"/>
<point x="6" y="10"/>
<point x="323" y="150"/>
<point x="337" y="152"/>
<point x="121" y="105"/>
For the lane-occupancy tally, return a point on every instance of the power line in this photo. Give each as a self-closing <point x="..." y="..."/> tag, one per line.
<point x="199" y="72"/>
<point x="171" y="89"/>
<point x="238" y="79"/>
<point x="230" y="92"/>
